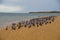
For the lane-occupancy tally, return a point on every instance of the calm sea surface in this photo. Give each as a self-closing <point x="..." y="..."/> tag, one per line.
<point x="6" y="19"/>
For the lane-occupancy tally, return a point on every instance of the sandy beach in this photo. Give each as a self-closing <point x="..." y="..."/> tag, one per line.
<point x="44" y="32"/>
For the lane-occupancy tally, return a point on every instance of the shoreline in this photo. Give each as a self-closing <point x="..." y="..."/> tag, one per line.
<point x="27" y="20"/>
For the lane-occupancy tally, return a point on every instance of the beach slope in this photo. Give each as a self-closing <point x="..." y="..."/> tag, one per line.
<point x="45" y="32"/>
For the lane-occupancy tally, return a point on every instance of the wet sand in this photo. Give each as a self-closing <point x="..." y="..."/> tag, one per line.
<point x="45" y="32"/>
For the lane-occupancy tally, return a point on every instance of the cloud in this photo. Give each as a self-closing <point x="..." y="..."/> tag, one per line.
<point x="14" y="0"/>
<point x="32" y="5"/>
<point x="4" y="8"/>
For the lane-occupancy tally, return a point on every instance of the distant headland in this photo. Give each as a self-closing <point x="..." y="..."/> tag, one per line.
<point x="46" y="12"/>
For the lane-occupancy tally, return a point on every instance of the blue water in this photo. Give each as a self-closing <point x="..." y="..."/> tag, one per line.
<point x="8" y="18"/>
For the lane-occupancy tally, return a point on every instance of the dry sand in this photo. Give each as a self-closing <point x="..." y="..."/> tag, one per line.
<point x="45" y="32"/>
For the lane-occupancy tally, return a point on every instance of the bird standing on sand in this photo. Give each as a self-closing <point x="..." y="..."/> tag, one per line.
<point x="13" y="26"/>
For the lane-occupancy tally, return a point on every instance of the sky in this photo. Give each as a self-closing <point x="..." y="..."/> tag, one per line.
<point x="25" y="6"/>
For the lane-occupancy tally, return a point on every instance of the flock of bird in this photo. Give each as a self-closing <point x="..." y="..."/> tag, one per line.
<point x="33" y="22"/>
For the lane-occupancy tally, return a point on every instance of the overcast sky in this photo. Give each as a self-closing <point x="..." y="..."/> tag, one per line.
<point x="22" y="6"/>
